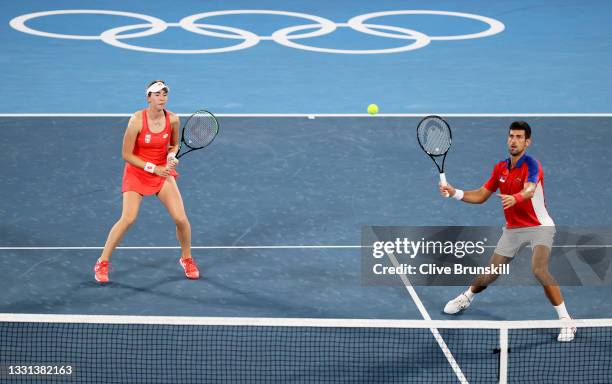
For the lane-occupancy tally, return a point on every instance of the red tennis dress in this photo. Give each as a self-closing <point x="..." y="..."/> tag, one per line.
<point x="153" y="148"/>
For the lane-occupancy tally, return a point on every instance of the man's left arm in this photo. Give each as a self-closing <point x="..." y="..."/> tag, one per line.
<point x="526" y="194"/>
<point x="533" y="177"/>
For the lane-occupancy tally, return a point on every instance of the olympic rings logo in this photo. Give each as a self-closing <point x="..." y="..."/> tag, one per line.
<point x="285" y="36"/>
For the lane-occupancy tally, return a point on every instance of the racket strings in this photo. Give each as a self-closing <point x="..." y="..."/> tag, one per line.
<point x="434" y="136"/>
<point x="200" y="131"/>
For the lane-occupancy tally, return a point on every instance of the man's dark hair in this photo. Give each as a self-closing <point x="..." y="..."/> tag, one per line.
<point x="521" y="126"/>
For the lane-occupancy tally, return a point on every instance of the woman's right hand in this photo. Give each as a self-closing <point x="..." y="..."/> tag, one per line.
<point x="162" y="171"/>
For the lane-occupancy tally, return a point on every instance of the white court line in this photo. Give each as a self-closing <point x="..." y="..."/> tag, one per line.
<point x="441" y="343"/>
<point x="28" y="248"/>
<point x="568" y="246"/>
<point x="310" y="115"/>
<point x="84" y="248"/>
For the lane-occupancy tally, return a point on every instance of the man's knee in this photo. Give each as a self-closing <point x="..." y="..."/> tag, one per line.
<point x="540" y="270"/>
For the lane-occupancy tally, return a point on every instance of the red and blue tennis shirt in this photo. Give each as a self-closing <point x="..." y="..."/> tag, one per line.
<point x="510" y="180"/>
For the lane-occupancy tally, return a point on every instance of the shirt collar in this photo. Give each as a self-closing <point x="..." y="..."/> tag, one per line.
<point x="518" y="163"/>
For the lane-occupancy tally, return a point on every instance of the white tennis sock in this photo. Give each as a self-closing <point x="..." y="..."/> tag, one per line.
<point x="562" y="311"/>
<point x="469" y="294"/>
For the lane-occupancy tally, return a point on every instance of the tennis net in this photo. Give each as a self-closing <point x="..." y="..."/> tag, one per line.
<point x="147" y="349"/>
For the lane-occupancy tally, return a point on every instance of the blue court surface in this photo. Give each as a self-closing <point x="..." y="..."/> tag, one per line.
<point x="278" y="201"/>
<point x="525" y="57"/>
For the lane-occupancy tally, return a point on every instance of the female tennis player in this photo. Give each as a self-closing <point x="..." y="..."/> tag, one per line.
<point x="149" y="149"/>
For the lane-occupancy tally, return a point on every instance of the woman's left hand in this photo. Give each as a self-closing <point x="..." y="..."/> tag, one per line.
<point x="172" y="161"/>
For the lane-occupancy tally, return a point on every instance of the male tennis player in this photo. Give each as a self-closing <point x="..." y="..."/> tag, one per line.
<point x="149" y="149"/>
<point x="520" y="179"/>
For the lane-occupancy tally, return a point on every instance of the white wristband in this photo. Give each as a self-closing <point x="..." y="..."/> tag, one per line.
<point x="171" y="155"/>
<point x="149" y="167"/>
<point x="458" y="194"/>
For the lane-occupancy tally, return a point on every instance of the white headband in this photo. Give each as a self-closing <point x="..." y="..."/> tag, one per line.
<point x="156" y="87"/>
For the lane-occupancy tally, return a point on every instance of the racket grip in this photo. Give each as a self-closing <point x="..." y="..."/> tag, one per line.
<point x="443" y="182"/>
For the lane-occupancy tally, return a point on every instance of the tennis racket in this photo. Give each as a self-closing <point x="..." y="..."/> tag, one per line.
<point x="198" y="132"/>
<point x="434" y="136"/>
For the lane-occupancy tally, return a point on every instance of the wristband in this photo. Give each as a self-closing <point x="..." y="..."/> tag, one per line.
<point x="518" y="197"/>
<point x="458" y="194"/>
<point x="171" y="155"/>
<point x="149" y="167"/>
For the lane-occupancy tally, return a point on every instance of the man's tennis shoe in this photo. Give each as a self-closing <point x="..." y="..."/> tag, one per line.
<point x="567" y="333"/>
<point x="190" y="268"/>
<point x="457" y="304"/>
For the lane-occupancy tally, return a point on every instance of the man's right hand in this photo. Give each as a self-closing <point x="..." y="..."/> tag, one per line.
<point x="446" y="190"/>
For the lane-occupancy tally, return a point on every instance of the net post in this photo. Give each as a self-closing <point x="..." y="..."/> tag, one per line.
<point x="503" y="354"/>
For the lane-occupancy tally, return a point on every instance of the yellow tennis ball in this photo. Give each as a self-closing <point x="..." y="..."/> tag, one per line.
<point x="372" y="109"/>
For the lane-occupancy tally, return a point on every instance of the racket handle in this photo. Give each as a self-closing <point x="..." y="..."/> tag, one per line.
<point x="443" y="182"/>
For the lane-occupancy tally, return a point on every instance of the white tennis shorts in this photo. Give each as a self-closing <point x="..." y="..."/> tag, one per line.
<point x="512" y="239"/>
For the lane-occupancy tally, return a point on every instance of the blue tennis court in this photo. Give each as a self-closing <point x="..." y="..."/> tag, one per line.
<point x="278" y="202"/>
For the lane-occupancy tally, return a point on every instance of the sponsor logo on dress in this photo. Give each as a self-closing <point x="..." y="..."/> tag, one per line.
<point x="147" y="138"/>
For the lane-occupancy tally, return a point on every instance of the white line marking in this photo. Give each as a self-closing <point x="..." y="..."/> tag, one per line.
<point x="568" y="246"/>
<point x="28" y="248"/>
<point x="84" y="248"/>
<point x="441" y="343"/>
<point x="317" y="115"/>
